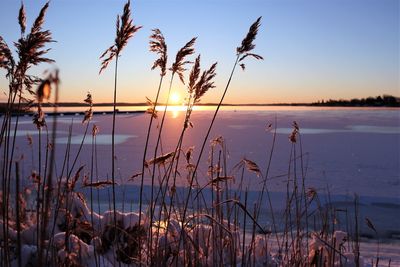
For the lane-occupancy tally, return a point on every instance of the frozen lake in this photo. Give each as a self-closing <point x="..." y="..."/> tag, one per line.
<point x="346" y="151"/>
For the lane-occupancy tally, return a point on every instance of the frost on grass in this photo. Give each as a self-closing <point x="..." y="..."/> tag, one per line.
<point x="76" y="236"/>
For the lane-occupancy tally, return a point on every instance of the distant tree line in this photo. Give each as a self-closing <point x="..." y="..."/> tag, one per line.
<point x="379" y="101"/>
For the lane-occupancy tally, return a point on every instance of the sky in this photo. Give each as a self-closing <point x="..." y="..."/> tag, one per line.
<point x="312" y="49"/>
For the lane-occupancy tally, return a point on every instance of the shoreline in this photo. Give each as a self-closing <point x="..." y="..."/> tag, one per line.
<point x="75" y="110"/>
<point x="77" y="113"/>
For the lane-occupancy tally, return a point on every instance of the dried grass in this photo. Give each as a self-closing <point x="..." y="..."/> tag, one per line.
<point x="247" y="43"/>
<point x="178" y="66"/>
<point x="158" y="45"/>
<point x="161" y="159"/>
<point x="125" y="30"/>
<point x="211" y="232"/>
<point x="30" y="48"/>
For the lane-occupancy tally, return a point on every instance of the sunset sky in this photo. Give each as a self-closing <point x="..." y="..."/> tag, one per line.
<point x="313" y="49"/>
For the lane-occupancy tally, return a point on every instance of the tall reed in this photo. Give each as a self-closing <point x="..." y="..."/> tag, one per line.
<point x="31" y="51"/>
<point x="223" y="231"/>
<point x="198" y="85"/>
<point x="158" y="46"/>
<point x="178" y="67"/>
<point x="125" y="30"/>
<point x="242" y="52"/>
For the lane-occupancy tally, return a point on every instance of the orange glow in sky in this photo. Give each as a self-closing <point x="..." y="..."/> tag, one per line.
<point x="309" y="54"/>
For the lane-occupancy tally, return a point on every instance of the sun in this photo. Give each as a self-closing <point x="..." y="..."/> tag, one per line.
<point x="175" y="98"/>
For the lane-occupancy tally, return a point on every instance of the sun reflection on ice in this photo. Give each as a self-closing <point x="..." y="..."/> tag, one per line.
<point x="175" y="110"/>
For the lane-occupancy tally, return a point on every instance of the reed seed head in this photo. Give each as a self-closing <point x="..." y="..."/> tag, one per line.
<point x="6" y="59"/>
<point x="124" y="31"/>
<point x="158" y="45"/>
<point x="247" y="43"/>
<point x="37" y="25"/>
<point x="95" y="130"/>
<point x="31" y="48"/>
<point x="38" y="118"/>
<point x="219" y="140"/>
<point x="188" y="154"/>
<point x="194" y="74"/>
<point x="295" y="132"/>
<point x="252" y="166"/>
<point x="205" y="83"/>
<point x="89" y="99"/>
<point x="151" y="108"/>
<point x="43" y="91"/>
<point x="22" y="18"/>
<point x="180" y="62"/>
<point x="30" y="139"/>
<point x="161" y="159"/>
<point x="88" y="113"/>
<point x="293" y="136"/>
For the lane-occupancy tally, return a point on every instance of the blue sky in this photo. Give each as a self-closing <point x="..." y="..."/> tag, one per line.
<point x="313" y="49"/>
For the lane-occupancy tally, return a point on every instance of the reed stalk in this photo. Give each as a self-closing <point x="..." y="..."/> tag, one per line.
<point x="125" y="30"/>
<point x="241" y="53"/>
<point x="18" y="219"/>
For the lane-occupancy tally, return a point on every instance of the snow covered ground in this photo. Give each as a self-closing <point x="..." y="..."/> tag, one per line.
<point x="345" y="151"/>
